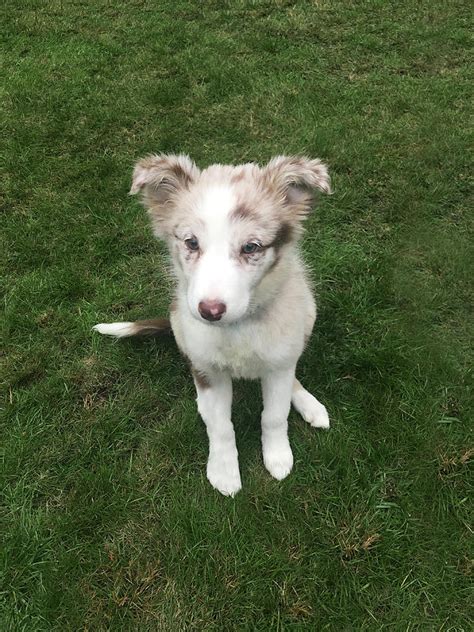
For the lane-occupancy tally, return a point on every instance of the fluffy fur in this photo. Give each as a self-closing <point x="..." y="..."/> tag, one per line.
<point x="243" y="306"/>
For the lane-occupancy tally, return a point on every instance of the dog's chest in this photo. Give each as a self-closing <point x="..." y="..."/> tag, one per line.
<point x="241" y="355"/>
<point x="247" y="352"/>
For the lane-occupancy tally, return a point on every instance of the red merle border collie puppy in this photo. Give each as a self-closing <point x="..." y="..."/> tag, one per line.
<point x="243" y="307"/>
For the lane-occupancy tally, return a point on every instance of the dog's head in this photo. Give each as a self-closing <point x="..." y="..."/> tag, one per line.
<point x="228" y="228"/>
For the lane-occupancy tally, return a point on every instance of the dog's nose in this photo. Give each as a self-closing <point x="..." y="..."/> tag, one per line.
<point x="211" y="310"/>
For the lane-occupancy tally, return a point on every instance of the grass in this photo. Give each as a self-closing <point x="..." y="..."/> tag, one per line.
<point x="108" y="520"/>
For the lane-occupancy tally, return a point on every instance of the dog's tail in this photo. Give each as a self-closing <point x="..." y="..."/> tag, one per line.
<point x="156" y="327"/>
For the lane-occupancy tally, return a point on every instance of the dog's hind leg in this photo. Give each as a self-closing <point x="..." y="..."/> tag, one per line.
<point x="214" y="400"/>
<point x="308" y="406"/>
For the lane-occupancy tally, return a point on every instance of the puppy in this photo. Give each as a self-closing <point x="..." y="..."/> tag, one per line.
<point x="243" y="307"/>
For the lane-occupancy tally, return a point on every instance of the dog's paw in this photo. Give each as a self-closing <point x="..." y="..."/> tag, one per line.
<point x="223" y="473"/>
<point x="278" y="458"/>
<point x="310" y="409"/>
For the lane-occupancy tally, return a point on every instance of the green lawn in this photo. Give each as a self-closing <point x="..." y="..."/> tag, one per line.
<point x="109" y="522"/>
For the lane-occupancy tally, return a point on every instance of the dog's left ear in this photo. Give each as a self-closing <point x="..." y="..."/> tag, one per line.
<point x="295" y="179"/>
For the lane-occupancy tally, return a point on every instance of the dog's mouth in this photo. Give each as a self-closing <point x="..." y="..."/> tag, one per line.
<point x="216" y="321"/>
<point x="220" y="321"/>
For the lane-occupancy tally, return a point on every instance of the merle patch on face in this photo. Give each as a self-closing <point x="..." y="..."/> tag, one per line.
<point x="284" y="236"/>
<point x="243" y="212"/>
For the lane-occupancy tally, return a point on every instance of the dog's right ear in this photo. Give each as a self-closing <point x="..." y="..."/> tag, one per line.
<point x="159" y="177"/>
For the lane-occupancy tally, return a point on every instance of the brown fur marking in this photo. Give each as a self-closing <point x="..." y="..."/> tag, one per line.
<point x="238" y="177"/>
<point x="200" y="378"/>
<point x="152" y="327"/>
<point x="181" y="174"/>
<point x="242" y="211"/>
<point x="284" y="236"/>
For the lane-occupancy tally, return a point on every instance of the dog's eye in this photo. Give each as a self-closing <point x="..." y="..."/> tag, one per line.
<point x="250" y="248"/>
<point x="192" y="243"/>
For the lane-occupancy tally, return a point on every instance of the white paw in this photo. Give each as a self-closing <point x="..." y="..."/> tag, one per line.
<point x="278" y="458"/>
<point x="223" y="473"/>
<point x="310" y="409"/>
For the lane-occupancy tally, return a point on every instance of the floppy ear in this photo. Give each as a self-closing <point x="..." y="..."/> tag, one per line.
<point x="295" y="179"/>
<point x="159" y="178"/>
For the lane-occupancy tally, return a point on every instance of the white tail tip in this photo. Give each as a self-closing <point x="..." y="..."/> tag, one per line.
<point x="119" y="330"/>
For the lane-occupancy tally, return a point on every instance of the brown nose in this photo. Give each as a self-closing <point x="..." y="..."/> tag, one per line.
<point x="211" y="310"/>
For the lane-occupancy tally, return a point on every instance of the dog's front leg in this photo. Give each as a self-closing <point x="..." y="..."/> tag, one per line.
<point x="214" y="400"/>
<point x="276" y="388"/>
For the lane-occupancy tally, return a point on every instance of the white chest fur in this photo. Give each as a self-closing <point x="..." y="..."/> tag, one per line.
<point x="251" y="347"/>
